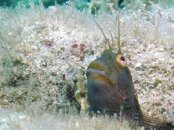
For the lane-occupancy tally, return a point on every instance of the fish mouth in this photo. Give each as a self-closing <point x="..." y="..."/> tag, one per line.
<point x="99" y="75"/>
<point x="97" y="72"/>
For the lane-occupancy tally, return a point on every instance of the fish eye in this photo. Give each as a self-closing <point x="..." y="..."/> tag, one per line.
<point x="122" y="58"/>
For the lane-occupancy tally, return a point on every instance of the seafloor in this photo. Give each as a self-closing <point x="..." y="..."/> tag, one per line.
<point x="45" y="53"/>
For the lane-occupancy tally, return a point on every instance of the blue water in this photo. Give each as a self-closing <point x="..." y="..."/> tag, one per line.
<point x="83" y="4"/>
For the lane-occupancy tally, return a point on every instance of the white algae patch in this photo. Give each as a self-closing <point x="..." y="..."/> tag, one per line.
<point x="43" y="50"/>
<point x="11" y="120"/>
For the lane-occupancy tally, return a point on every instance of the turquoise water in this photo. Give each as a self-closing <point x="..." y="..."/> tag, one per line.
<point x="83" y="4"/>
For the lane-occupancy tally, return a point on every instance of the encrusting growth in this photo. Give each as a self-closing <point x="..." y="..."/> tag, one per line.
<point x="110" y="89"/>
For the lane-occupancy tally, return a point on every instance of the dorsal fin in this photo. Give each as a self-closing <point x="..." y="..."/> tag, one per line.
<point x="118" y="26"/>
<point x="106" y="39"/>
<point x="112" y="38"/>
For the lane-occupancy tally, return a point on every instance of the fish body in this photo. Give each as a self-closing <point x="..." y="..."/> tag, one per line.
<point x="110" y="86"/>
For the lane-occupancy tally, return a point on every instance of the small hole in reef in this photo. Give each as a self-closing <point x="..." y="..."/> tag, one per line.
<point x="122" y="58"/>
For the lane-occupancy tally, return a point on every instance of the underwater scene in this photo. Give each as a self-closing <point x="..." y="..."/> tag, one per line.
<point x="86" y="64"/>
